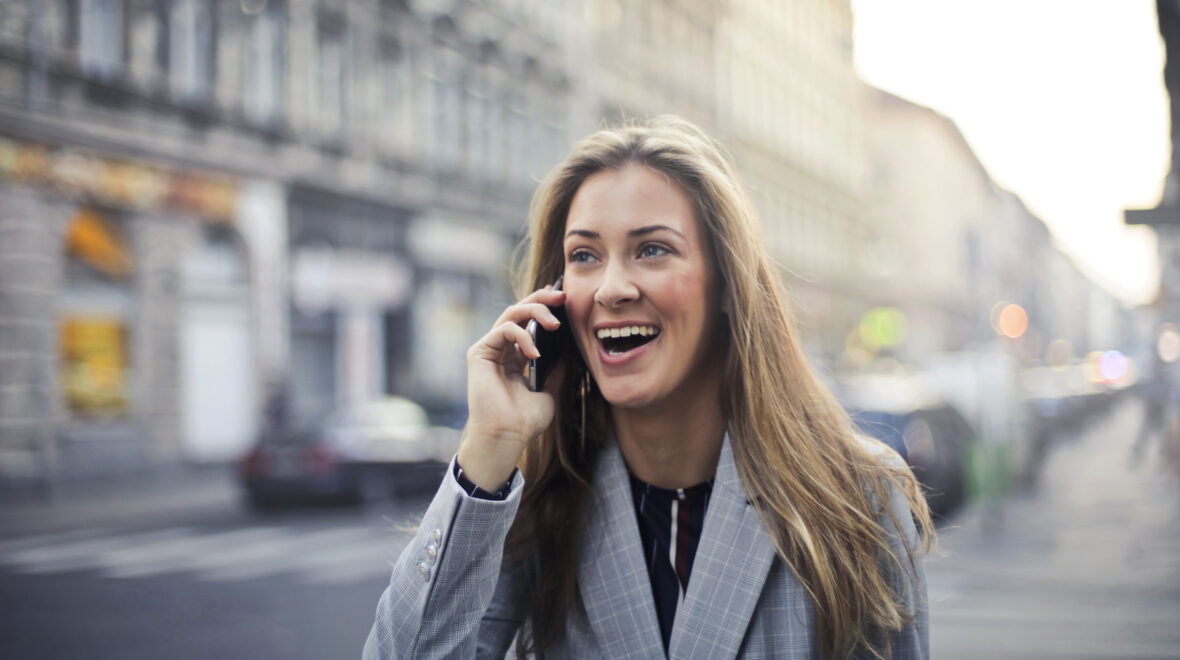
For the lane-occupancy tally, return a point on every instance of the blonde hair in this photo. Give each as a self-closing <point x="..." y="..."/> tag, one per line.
<point x="820" y="494"/>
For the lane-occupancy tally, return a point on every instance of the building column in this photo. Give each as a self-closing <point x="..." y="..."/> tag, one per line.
<point x="31" y="266"/>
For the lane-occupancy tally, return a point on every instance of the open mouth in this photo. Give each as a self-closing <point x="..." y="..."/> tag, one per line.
<point x="620" y="340"/>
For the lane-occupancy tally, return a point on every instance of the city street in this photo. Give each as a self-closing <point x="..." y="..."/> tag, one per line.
<point x="1088" y="567"/>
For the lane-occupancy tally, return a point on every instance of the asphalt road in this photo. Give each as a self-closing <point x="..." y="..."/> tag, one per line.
<point x="1087" y="567"/>
<point x="201" y="578"/>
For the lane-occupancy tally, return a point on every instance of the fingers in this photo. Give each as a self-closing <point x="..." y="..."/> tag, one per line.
<point x="546" y="296"/>
<point x="535" y="306"/>
<point x="501" y="337"/>
<point x="510" y="330"/>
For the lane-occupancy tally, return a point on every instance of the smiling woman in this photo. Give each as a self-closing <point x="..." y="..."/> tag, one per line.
<point x="685" y="440"/>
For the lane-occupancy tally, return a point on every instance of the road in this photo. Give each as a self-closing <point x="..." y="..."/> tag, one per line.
<point x="203" y="581"/>
<point x="1088" y="567"/>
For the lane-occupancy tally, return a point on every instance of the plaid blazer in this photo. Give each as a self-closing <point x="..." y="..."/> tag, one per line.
<point x="449" y="596"/>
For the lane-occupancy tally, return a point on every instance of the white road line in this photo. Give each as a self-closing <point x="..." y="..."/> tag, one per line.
<point x="72" y="556"/>
<point x="348" y="565"/>
<point x="27" y="542"/>
<point x="296" y="554"/>
<point x="326" y="556"/>
<point x="177" y="554"/>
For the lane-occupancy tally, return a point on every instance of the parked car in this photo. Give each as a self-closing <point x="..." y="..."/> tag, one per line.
<point x="924" y="424"/>
<point x="361" y="453"/>
<point x="934" y="440"/>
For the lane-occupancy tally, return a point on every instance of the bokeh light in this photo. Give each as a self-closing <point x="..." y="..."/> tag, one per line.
<point x="1168" y="344"/>
<point x="1113" y="366"/>
<point x="1013" y="321"/>
<point x="882" y="327"/>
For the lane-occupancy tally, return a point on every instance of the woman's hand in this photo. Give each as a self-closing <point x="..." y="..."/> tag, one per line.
<point x="503" y="415"/>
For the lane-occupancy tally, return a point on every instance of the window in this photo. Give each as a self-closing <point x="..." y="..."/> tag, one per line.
<point x="263" y="62"/>
<point x="95" y="317"/>
<point x="446" y="112"/>
<point x="190" y="49"/>
<point x="330" y="78"/>
<point x="100" y="37"/>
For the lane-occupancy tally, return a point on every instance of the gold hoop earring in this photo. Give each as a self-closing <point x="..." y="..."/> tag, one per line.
<point x="583" y="392"/>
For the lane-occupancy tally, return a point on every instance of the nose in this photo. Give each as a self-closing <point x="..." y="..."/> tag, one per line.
<point x="616" y="288"/>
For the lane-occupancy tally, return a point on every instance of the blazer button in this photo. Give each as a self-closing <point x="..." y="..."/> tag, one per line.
<point x="437" y="535"/>
<point x="424" y="571"/>
<point x="432" y="553"/>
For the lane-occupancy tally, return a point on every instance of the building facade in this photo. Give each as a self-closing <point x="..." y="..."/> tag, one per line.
<point x="216" y="212"/>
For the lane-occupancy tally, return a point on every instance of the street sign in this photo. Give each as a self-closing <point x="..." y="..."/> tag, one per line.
<point x="1162" y="215"/>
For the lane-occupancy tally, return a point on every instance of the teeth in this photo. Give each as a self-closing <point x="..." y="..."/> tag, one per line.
<point x="635" y="330"/>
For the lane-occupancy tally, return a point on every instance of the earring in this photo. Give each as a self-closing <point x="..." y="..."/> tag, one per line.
<point x="583" y="392"/>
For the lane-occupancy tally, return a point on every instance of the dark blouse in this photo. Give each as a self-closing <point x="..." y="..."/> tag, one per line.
<point x="670" y="523"/>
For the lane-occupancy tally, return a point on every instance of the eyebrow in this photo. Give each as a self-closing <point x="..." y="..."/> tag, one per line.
<point x="639" y="231"/>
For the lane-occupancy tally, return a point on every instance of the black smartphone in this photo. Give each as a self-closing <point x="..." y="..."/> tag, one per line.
<point x="550" y="344"/>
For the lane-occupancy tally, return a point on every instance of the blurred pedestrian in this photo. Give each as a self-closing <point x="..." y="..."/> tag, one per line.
<point x="684" y="486"/>
<point x="1155" y="394"/>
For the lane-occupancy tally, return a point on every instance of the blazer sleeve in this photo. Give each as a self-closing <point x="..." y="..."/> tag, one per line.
<point x="907" y="574"/>
<point x="439" y="601"/>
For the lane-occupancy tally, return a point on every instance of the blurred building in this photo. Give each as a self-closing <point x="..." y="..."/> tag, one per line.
<point x="953" y="249"/>
<point x="219" y="213"/>
<point x="1165" y="218"/>
<point x="789" y="104"/>
<point x="226" y="213"/>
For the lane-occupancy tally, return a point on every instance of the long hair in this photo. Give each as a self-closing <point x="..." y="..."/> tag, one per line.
<point x="820" y="495"/>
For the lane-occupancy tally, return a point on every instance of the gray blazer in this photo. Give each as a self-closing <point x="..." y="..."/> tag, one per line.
<point x="449" y="598"/>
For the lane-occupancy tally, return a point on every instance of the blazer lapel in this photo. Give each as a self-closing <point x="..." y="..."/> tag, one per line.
<point x="732" y="562"/>
<point x="613" y="579"/>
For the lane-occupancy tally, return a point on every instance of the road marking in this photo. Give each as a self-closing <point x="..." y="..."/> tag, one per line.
<point x="27" y="542"/>
<point x="319" y="556"/>
<point x="297" y="553"/>
<point x="80" y="555"/>
<point x="176" y="555"/>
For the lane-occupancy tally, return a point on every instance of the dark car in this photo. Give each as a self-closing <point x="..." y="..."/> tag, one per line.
<point x="934" y="440"/>
<point x="361" y="453"/>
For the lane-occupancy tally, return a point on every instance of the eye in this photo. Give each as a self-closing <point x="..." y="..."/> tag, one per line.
<point x="649" y="250"/>
<point x="581" y="257"/>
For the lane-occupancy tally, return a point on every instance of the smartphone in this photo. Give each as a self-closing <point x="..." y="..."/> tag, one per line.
<point x="550" y="344"/>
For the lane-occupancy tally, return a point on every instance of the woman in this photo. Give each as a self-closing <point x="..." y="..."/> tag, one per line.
<point x="686" y="486"/>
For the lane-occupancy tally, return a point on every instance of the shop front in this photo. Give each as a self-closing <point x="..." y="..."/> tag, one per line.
<point x="112" y="267"/>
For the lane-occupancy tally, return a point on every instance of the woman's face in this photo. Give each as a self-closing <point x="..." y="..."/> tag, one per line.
<point x="642" y="298"/>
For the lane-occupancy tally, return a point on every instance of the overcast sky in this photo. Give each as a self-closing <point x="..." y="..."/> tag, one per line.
<point x="1062" y="101"/>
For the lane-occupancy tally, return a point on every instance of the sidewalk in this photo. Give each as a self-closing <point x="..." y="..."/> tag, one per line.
<point x="159" y="493"/>
<point x="1087" y="567"/>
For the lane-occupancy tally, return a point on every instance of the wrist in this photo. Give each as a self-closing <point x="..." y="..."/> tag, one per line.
<point x="473" y="490"/>
<point x="489" y="470"/>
